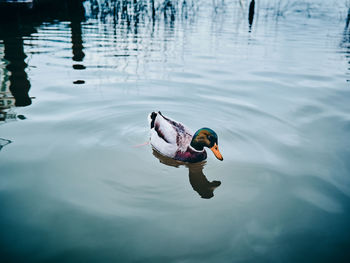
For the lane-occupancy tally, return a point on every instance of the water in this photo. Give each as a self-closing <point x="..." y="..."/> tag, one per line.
<point x="73" y="188"/>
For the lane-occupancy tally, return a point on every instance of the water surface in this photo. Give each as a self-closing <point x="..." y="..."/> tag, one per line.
<point x="78" y="83"/>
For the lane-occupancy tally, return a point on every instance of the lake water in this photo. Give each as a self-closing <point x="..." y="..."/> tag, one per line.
<point x="77" y="84"/>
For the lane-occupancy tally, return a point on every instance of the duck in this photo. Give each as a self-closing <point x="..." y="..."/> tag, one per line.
<point x="173" y="139"/>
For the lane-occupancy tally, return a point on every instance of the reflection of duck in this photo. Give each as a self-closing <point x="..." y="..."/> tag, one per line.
<point x="174" y="140"/>
<point x="197" y="179"/>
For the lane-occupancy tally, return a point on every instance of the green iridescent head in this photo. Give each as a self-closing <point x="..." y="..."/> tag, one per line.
<point x="206" y="137"/>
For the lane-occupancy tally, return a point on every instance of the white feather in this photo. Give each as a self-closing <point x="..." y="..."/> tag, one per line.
<point x="162" y="146"/>
<point x="166" y="128"/>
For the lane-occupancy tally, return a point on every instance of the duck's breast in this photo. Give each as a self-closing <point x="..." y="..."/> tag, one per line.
<point x="191" y="155"/>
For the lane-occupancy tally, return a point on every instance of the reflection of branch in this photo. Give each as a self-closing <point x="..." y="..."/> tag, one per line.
<point x="4" y="142"/>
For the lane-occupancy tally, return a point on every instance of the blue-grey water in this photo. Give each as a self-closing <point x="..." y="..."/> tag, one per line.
<point x="78" y="82"/>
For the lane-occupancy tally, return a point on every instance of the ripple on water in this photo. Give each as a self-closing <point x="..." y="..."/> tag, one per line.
<point x="319" y="200"/>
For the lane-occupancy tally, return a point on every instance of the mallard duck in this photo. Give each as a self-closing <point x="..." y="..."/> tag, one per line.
<point x="174" y="140"/>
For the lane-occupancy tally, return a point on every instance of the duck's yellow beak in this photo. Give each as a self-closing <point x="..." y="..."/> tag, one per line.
<point x="215" y="150"/>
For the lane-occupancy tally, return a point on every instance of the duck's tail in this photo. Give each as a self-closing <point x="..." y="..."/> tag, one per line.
<point x="152" y="118"/>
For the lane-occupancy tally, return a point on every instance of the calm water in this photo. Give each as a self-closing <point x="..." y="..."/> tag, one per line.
<point x="73" y="188"/>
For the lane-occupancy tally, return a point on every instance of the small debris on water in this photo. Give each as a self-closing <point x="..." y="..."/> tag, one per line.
<point x="79" y="82"/>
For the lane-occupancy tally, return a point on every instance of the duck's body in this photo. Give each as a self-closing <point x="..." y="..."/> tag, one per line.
<point x="175" y="140"/>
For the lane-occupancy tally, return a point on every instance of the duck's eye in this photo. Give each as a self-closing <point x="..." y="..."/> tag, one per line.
<point x="210" y="137"/>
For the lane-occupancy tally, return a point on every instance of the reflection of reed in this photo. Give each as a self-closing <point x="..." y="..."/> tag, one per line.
<point x="133" y="11"/>
<point x="77" y="41"/>
<point x="4" y="142"/>
<point x="346" y="39"/>
<point x="77" y="16"/>
<point x="16" y="65"/>
<point x="196" y="176"/>
<point x="14" y="84"/>
<point x="131" y="33"/>
<point x="251" y="13"/>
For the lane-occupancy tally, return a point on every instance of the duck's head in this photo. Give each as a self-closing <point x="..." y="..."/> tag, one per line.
<point x="206" y="137"/>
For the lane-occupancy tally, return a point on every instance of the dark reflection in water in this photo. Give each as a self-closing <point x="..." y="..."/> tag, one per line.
<point x="77" y="42"/>
<point x="130" y="14"/>
<point x="346" y="40"/>
<point x="196" y="176"/>
<point x="251" y="13"/>
<point x="77" y="16"/>
<point x="6" y="112"/>
<point x="12" y="34"/>
<point x="15" y="84"/>
<point x="4" y="142"/>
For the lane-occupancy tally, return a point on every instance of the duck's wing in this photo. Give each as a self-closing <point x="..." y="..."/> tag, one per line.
<point x="180" y="128"/>
<point x="165" y="132"/>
